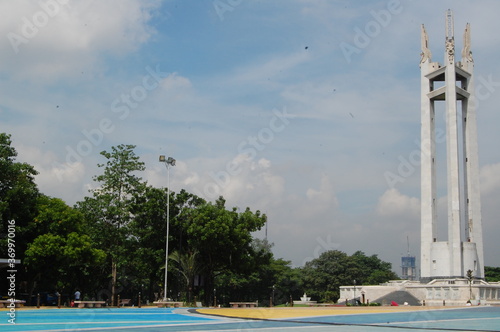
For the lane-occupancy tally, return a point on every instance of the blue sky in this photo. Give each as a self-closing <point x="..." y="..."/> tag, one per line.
<point x="297" y="108"/>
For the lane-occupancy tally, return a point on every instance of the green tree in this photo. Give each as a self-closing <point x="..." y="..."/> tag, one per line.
<point x="61" y="257"/>
<point x="18" y="198"/>
<point x="262" y="278"/>
<point x="222" y="238"/>
<point x="323" y="276"/>
<point x="492" y="274"/>
<point x="371" y="270"/>
<point x="286" y="281"/>
<point x="250" y="280"/>
<point x="189" y="267"/>
<point x="63" y="262"/>
<point x="108" y="212"/>
<point x="148" y="241"/>
<point x="18" y="194"/>
<point x="149" y="234"/>
<point x="18" y="191"/>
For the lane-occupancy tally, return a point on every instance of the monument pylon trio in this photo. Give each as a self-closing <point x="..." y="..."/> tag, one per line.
<point x="452" y="267"/>
<point x="453" y="83"/>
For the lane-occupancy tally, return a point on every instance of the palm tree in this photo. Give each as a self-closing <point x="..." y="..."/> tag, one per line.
<point x="186" y="264"/>
<point x="470" y="277"/>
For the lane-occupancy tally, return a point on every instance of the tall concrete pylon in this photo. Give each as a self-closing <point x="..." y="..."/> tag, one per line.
<point x="462" y="251"/>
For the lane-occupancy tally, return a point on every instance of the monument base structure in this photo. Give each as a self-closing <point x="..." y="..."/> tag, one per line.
<point x="451" y="269"/>
<point x="438" y="292"/>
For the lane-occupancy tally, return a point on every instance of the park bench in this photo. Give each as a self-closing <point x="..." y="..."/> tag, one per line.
<point x="7" y="303"/>
<point x="124" y="302"/>
<point x="243" y="304"/>
<point x="90" y="304"/>
<point x="168" y="304"/>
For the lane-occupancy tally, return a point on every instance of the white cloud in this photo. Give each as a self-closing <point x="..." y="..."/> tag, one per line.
<point x="324" y="197"/>
<point x="53" y="39"/>
<point x="54" y="179"/>
<point x="393" y="203"/>
<point x="174" y="81"/>
<point x="319" y="179"/>
<point x="490" y="178"/>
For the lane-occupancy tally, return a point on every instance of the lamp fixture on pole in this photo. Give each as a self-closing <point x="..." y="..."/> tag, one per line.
<point x="168" y="162"/>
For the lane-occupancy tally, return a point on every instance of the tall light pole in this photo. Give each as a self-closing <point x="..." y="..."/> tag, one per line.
<point x="354" y="298"/>
<point x="168" y="162"/>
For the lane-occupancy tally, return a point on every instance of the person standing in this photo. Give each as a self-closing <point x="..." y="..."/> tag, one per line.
<point x="77" y="295"/>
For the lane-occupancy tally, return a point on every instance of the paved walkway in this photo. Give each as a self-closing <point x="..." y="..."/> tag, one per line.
<point x="376" y="319"/>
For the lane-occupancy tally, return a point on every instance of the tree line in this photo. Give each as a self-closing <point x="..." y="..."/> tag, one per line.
<point x="112" y="243"/>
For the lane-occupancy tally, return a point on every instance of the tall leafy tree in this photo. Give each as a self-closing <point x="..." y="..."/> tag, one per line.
<point x="108" y="211"/>
<point x="61" y="257"/>
<point x="149" y="235"/>
<point x="261" y="277"/>
<point x="222" y="237"/>
<point x="371" y="270"/>
<point x="287" y="285"/>
<point x="18" y="198"/>
<point x="322" y="277"/>
<point x="18" y="192"/>
<point x="148" y="241"/>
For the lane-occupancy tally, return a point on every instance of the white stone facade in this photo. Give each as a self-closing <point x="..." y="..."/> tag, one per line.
<point x="439" y="292"/>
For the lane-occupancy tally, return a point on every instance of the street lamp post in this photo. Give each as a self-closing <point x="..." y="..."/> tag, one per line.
<point x="354" y="299"/>
<point x="168" y="162"/>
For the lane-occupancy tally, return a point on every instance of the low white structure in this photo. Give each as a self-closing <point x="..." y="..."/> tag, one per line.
<point x="439" y="292"/>
<point x="305" y="300"/>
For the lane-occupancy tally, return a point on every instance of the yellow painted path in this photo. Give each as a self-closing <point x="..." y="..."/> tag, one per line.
<point x="277" y="313"/>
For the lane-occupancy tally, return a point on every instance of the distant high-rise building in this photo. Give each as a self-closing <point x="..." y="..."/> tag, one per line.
<point x="409" y="268"/>
<point x="408" y="265"/>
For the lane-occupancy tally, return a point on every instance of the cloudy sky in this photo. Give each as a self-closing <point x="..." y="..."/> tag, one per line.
<point x="307" y="110"/>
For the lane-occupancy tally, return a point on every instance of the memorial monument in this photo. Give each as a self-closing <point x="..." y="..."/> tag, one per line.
<point x="452" y="269"/>
<point x="456" y="256"/>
